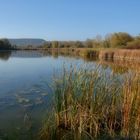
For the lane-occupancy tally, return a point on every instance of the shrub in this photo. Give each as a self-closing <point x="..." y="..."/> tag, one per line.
<point x="134" y="44"/>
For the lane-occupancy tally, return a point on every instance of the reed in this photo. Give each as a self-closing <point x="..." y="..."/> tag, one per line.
<point x="101" y="53"/>
<point x="93" y="104"/>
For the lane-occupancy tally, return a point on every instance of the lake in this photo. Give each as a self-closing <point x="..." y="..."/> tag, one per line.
<point x="26" y="88"/>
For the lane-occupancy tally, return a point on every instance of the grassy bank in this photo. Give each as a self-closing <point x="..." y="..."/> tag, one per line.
<point x="92" y="104"/>
<point x="100" y="53"/>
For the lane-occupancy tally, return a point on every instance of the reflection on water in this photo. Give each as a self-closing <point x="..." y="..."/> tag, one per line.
<point x="4" y="55"/>
<point x="116" y="65"/>
<point x="25" y="87"/>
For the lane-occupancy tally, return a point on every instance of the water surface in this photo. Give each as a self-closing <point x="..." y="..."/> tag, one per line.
<point x="25" y="88"/>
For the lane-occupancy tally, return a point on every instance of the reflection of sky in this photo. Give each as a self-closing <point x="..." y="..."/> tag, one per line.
<point x="19" y="73"/>
<point x="24" y="85"/>
<point x="27" y="79"/>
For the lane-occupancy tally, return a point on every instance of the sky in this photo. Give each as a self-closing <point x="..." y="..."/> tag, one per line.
<point x="68" y="19"/>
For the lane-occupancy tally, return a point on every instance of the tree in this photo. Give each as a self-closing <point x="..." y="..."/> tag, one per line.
<point x="120" y="39"/>
<point x="134" y="44"/>
<point x="55" y="44"/>
<point x="5" y="44"/>
<point x="88" y="43"/>
<point x="79" y="44"/>
<point x="106" y="44"/>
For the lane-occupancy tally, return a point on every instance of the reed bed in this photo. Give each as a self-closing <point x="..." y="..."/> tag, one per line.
<point x="94" y="104"/>
<point x="121" y="66"/>
<point x="120" y="54"/>
<point x="102" y="53"/>
<point x="130" y="55"/>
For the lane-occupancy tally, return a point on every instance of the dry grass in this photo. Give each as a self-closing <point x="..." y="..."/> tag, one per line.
<point x="92" y="104"/>
<point x="121" y="66"/>
<point x="101" y="53"/>
<point x="120" y="54"/>
<point x="127" y="55"/>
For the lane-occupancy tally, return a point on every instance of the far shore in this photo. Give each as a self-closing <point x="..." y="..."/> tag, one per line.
<point x="98" y="53"/>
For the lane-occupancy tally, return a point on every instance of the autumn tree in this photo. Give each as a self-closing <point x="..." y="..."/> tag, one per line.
<point x="118" y="40"/>
<point x="55" y="44"/>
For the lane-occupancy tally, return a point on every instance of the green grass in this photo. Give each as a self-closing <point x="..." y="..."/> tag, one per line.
<point x="93" y="104"/>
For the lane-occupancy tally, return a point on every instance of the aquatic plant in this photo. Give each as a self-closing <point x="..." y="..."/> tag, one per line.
<point x="94" y="104"/>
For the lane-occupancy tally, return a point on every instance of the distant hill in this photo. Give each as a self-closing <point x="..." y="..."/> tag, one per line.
<point x="26" y="42"/>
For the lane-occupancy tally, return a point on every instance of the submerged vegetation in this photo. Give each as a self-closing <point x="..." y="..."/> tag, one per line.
<point x="94" y="104"/>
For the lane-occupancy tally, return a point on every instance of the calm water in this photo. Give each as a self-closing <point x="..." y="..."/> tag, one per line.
<point x="25" y="89"/>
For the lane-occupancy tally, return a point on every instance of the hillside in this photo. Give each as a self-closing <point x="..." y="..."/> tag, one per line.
<point x="26" y="42"/>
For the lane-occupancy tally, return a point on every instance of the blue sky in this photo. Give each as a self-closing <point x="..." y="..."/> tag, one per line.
<point x="68" y="19"/>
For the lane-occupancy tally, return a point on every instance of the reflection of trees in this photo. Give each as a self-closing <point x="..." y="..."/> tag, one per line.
<point x="87" y="59"/>
<point x="55" y="54"/>
<point x="45" y="53"/>
<point x="4" y="55"/>
<point x="29" y="53"/>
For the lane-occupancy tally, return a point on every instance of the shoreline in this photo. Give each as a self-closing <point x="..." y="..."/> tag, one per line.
<point x="100" y="53"/>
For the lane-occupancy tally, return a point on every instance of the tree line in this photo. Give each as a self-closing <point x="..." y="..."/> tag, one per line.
<point x="5" y="44"/>
<point x="115" y="40"/>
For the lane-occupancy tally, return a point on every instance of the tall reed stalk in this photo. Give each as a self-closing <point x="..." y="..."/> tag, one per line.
<point x="94" y="104"/>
